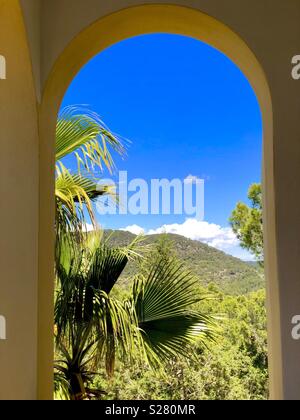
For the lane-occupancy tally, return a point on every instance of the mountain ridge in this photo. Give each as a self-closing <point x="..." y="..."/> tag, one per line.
<point x="230" y="274"/>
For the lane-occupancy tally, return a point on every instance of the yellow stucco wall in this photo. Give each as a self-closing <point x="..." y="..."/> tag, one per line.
<point x="19" y="210"/>
<point x="186" y="21"/>
<point x="261" y="36"/>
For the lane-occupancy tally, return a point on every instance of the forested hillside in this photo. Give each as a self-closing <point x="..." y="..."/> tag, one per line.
<point x="229" y="274"/>
<point x="235" y="365"/>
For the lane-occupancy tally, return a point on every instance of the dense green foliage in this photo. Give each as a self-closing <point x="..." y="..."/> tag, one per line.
<point x="234" y="366"/>
<point x="158" y="320"/>
<point x="247" y="223"/>
<point x="230" y="274"/>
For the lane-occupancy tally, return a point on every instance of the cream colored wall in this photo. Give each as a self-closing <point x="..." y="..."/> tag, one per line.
<point x="258" y="22"/>
<point x="19" y="211"/>
<point x="71" y="32"/>
<point x="32" y="16"/>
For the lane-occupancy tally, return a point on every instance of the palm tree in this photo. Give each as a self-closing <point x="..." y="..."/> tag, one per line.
<point x="81" y="134"/>
<point x="93" y="327"/>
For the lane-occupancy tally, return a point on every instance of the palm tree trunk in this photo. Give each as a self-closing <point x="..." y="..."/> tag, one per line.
<point x="77" y="388"/>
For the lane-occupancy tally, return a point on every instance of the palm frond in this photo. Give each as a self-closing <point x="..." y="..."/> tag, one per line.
<point x="72" y="189"/>
<point x="163" y="300"/>
<point x="118" y="330"/>
<point x="61" y="385"/>
<point x="106" y="268"/>
<point x="75" y="195"/>
<point x="82" y="132"/>
<point x="88" y="320"/>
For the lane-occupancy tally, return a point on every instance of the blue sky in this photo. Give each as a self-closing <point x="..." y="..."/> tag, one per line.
<point x="187" y="109"/>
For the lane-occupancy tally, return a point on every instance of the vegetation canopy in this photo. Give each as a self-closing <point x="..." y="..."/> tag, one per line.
<point x="154" y="323"/>
<point x="159" y="317"/>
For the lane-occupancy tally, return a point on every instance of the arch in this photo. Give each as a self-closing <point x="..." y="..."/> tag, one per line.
<point x="105" y="32"/>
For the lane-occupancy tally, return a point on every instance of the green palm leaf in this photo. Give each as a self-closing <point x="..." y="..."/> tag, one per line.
<point x="92" y="326"/>
<point x="82" y="134"/>
<point x="75" y="189"/>
<point x="106" y="268"/>
<point x="80" y="130"/>
<point x="163" y="301"/>
<point x="89" y="322"/>
<point x="75" y="195"/>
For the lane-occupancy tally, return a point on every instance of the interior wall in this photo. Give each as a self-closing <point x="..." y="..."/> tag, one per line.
<point x="258" y="22"/>
<point x="32" y="17"/>
<point x="19" y="211"/>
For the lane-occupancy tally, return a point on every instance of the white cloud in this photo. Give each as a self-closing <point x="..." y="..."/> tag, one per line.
<point x="135" y="229"/>
<point x="216" y="236"/>
<point x="89" y="227"/>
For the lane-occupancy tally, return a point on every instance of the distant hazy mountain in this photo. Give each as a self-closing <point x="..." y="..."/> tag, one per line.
<point x="230" y="274"/>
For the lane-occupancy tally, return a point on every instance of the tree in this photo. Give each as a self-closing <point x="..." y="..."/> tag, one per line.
<point x="91" y="326"/>
<point x="247" y="223"/>
<point x="234" y="367"/>
<point x="81" y="134"/>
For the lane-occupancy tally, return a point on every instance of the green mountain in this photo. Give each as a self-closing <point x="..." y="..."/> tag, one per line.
<point x="211" y="266"/>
